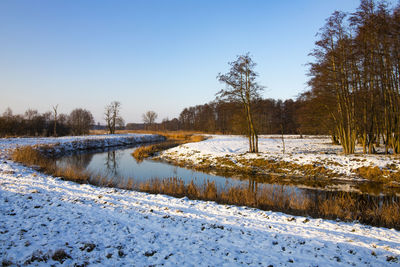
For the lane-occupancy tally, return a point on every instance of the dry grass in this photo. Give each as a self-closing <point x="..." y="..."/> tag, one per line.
<point x="374" y="173"/>
<point x="345" y="206"/>
<point x="173" y="139"/>
<point x="149" y="151"/>
<point x="186" y="137"/>
<point x="169" y="134"/>
<point x="32" y="157"/>
<point x="264" y="170"/>
<point x="29" y="156"/>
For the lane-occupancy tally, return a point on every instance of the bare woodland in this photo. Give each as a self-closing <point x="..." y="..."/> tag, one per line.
<point x="32" y="123"/>
<point x="355" y="78"/>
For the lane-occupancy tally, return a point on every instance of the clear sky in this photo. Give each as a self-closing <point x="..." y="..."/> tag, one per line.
<point x="150" y="55"/>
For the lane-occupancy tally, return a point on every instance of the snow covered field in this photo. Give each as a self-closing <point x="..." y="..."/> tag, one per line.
<point x="45" y="220"/>
<point x="309" y="150"/>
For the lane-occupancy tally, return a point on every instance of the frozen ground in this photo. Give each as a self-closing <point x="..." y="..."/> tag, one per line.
<point x="44" y="221"/>
<point x="71" y="143"/>
<point x="308" y="150"/>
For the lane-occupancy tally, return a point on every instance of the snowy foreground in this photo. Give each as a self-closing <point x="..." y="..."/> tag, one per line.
<point x="308" y="150"/>
<point x="44" y="221"/>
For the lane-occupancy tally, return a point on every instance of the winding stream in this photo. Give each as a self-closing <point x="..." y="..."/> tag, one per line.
<point x="119" y="165"/>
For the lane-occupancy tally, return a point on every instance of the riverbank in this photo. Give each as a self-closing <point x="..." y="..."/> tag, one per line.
<point x="310" y="159"/>
<point x="58" y="146"/>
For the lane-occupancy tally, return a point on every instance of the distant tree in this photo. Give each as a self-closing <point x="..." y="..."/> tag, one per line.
<point x="8" y="113"/>
<point x="113" y="117"/>
<point x="149" y="118"/>
<point x="55" y="119"/>
<point x="241" y="86"/>
<point x="30" y="114"/>
<point x="6" y="121"/>
<point x="80" y="121"/>
<point x="34" y="123"/>
<point x="62" y="125"/>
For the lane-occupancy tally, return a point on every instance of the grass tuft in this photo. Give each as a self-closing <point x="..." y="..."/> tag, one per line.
<point x="174" y="139"/>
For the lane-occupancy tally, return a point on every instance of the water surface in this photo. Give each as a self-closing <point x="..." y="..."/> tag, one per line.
<point x="120" y="166"/>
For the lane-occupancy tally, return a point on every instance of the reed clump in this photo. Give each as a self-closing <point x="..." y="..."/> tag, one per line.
<point x="173" y="139"/>
<point x="149" y="151"/>
<point x="31" y="156"/>
<point x="389" y="176"/>
<point x="344" y="206"/>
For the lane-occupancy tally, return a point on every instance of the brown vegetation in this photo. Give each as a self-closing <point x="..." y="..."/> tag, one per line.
<point x="263" y="170"/>
<point x="173" y="139"/>
<point x="149" y="151"/>
<point x="374" y="173"/>
<point x="30" y="156"/>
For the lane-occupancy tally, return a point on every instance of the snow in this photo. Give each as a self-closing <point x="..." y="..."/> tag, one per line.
<point x="307" y="150"/>
<point x="62" y="145"/>
<point x="41" y="214"/>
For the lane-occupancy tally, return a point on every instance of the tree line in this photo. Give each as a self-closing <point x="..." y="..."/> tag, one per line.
<point x="355" y="77"/>
<point x="33" y="123"/>
<point x="269" y="116"/>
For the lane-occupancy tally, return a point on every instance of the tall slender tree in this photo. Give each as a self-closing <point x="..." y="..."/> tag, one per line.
<point x="241" y="86"/>
<point x="55" y="112"/>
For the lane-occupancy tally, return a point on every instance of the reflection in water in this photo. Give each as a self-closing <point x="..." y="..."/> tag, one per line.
<point x="118" y="165"/>
<point x="79" y="161"/>
<point x="111" y="163"/>
<point x="253" y="186"/>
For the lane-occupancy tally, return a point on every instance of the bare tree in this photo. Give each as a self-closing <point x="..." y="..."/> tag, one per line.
<point x="113" y="117"/>
<point x="356" y="77"/>
<point x="8" y="113"/>
<point x="30" y="114"/>
<point x="149" y="118"/>
<point x="55" y="119"/>
<point x="241" y="87"/>
<point x="80" y="121"/>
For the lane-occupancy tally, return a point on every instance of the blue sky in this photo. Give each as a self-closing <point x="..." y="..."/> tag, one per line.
<point x="150" y="55"/>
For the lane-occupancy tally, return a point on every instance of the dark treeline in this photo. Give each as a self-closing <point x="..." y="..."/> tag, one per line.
<point x="32" y="123"/>
<point x="270" y="117"/>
